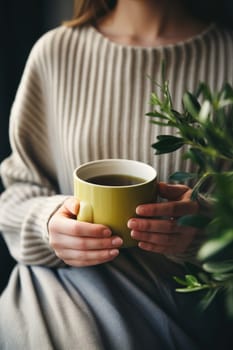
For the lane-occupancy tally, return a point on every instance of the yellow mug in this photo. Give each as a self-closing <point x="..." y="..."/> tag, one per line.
<point x="109" y="191"/>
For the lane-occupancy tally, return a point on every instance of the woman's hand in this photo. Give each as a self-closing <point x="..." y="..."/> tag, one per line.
<point x="80" y="243"/>
<point x="164" y="235"/>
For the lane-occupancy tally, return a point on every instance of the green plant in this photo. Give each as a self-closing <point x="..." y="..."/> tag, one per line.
<point x="205" y="127"/>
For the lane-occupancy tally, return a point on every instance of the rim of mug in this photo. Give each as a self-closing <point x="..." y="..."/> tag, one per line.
<point x="80" y="173"/>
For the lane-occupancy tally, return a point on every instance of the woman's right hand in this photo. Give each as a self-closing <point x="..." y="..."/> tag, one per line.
<point x="80" y="243"/>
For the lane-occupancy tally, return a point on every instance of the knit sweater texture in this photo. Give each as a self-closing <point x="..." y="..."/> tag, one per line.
<point x="83" y="97"/>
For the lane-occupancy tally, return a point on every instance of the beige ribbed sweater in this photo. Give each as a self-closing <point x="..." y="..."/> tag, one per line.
<point x="83" y="97"/>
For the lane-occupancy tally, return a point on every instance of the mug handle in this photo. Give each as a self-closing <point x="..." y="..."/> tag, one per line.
<point x="85" y="212"/>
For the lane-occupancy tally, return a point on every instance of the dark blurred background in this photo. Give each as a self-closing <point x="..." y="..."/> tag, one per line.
<point x="21" y="24"/>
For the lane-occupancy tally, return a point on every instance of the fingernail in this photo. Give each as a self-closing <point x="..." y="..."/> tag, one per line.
<point x="107" y="233"/>
<point x="132" y="224"/>
<point x="132" y="234"/>
<point x="114" y="252"/>
<point x="140" y="211"/>
<point x="117" y="241"/>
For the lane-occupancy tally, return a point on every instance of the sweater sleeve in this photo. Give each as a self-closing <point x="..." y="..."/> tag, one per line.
<point x="31" y="192"/>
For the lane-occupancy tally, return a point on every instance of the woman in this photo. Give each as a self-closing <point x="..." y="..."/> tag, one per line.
<point x="83" y="96"/>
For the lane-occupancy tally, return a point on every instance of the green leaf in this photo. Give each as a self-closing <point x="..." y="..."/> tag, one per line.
<point x="180" y="281"/>
<point x="222" y="277"/>
<point x="214" y="246"/>
<point x="204" y="113"/>
<point x="192" y="280"/>
<point x="226" y="92"/>
<point x="190" y="289"/>
<point x="178" y="116"/>
<point x="218" y="267"/>
<point x="182" y="176"/>
<point x="154" y="99"/>
<point x="197" y="157"/>
<point x="156" y="114"/>
<point x="160" y="123"/>
<point x="191" y="133"/>
<point x="224" y="103"/>
<point x="208" y="298"/>
<point x="204" y="277"/>
<point x="167" y="144"/>
<point x="204" y="90"/>
<point x="199" y="185"/>
<point x="198" y="221"/>
<point x="217" y="139"/>
<point x="191" y="104"/>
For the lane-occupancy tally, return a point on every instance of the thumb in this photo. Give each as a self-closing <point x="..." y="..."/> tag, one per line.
<point x="171" y="192"/>
<point x="72" y="205"/>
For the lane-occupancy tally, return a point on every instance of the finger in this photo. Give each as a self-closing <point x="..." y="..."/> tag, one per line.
<point x="153" y="225"/>
<point x="88" y="258"/>
<point x="72" y="227"/>
<point x="64" y="242"/>
<point x="166" y="240"/>
<point x="169" y="209"/>
<point x="170" y="191"/>
<point x="158" y="226"/>
<point x="150" y="247"/>
<point x="70" y="206"/>
<point x="179" y="246"/>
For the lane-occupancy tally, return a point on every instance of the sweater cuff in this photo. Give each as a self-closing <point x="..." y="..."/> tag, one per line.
<point x="47" y="211"/>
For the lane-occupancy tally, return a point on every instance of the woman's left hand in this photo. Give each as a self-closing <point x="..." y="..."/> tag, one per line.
<point x="164" y="235"/>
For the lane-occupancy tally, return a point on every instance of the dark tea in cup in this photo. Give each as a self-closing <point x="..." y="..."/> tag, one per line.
<point x="115" y="180"/>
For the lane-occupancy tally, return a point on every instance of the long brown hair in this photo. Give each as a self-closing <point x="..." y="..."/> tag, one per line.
<point x="87" y="11"/>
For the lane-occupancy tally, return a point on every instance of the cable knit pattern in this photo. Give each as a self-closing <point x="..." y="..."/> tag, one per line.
<point x="81" y="98"/>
